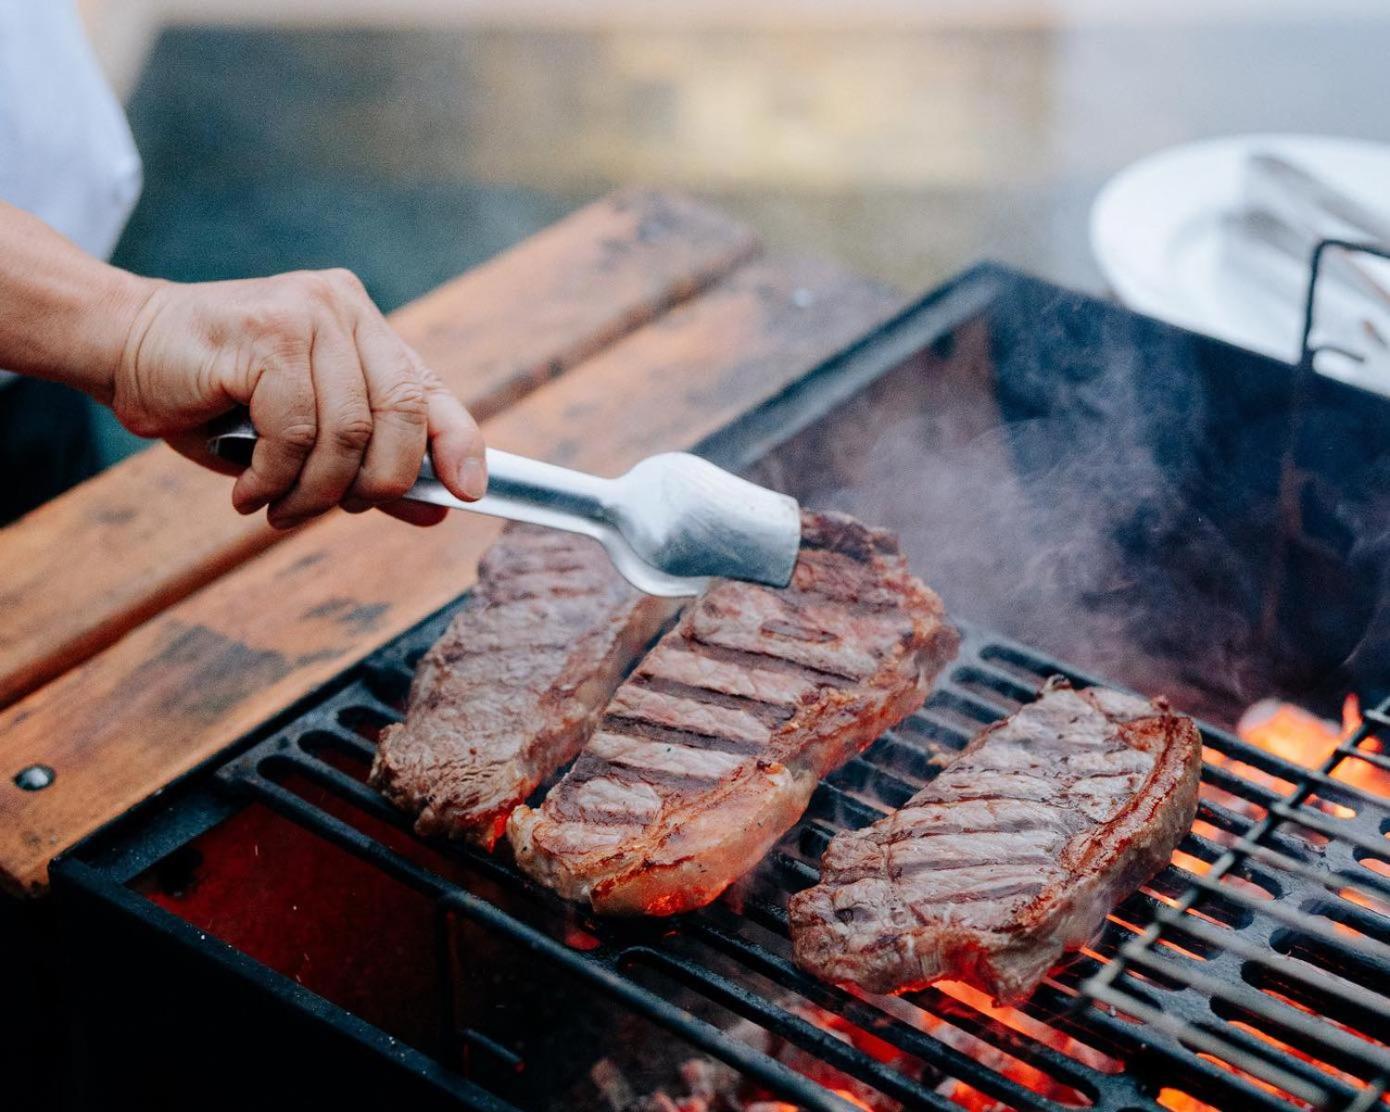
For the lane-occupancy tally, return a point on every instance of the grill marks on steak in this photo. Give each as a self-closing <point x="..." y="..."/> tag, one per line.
<point x="1012" y="855"/>
<point x="513" y="688"/>
<point x="710" y="751"/>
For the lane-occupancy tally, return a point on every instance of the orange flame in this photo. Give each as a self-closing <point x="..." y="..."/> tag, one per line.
<point x="1299" y="736"/>
<point x="1179" y="1101"/>
<point x="1295" y="734"/>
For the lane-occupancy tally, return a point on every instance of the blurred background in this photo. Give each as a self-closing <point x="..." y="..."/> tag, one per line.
<point x="410" y="139"/>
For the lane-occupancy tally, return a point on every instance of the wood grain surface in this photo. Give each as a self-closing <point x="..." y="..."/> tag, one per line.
<point x="189" y="682"/>
<point x="85" y="568"/>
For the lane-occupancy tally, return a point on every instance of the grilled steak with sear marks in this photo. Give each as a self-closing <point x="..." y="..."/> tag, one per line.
<point x="711" y="749"/>
<point x="1012" y="855"/>
<point x="515" y="685"/>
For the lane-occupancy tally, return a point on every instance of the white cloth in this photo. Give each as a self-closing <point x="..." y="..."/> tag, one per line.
<point x="66" y="153"/>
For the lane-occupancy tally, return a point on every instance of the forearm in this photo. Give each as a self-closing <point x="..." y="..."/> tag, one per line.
<point x="64" y="315"/>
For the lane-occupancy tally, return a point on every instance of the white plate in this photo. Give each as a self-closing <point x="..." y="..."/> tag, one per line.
<point x="1156" y="231"/>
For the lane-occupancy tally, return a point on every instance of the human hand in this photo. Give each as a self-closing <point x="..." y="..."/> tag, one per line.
<point x="343" y="407"/>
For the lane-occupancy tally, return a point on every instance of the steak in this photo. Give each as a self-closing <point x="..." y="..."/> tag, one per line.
<point x="1012" y="855"/>
<point x="711" y="749"/>
<point x="513" y="688"/>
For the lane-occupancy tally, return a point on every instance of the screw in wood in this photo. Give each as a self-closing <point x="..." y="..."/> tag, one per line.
<point x="35" y="778"/>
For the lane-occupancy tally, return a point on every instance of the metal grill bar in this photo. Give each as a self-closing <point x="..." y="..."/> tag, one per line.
<point x="1328" y="827"/>
<point x="597" y="972"/>
<point x="1334" y="1045"/>
<point x="1190" y="1035"/>
<point x="1369" y="1004"/>
<point x="1376" y="759"/>
<point x="1304" y="924"/>
<point x="891" y="1029"/>
<point x="1347" y="1051"/>
<point x="1171" y="991"/>
<point x="1332" y="881"/>
<point x="803" y="1034"/>
<point x="830" y="1049"/>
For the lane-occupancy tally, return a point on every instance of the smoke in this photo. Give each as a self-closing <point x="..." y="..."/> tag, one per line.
<point x="1059" y="504"/>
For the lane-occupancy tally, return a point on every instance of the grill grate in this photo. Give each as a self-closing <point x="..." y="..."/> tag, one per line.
<point x="1308" y="1006"/>
<point x="1250" y="930"/>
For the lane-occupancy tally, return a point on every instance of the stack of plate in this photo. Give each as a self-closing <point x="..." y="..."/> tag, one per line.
<point x="1174" y="237"/>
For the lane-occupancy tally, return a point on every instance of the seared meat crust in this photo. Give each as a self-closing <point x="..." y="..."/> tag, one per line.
<point x="711" y="750"/>
<point x="1012" y="855"/>
<point x="513" y="688"/>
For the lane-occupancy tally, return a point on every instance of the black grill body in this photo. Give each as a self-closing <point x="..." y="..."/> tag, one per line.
<point x="269" y="929"/>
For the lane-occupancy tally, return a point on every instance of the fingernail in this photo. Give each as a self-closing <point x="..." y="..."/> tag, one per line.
<point x="473" y="478"/>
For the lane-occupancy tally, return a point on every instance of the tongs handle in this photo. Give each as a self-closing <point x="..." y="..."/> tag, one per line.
<point x="519" y="489"/>
<point x="522" y="489"/>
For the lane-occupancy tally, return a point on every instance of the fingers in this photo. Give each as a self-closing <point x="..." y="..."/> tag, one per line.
<point x="398" y="405"/>
<point x="345" y="428"/>
<point x="285" y="413"/>
<point x="456" y="442"/>
<point x="345" y="411"/>
<point x="412" y="410"/>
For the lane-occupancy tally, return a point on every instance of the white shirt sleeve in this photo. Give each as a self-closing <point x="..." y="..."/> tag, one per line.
<point x="66" y="153"/>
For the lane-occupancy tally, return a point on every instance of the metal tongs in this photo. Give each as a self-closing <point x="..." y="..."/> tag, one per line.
<point x="669" y="525"/>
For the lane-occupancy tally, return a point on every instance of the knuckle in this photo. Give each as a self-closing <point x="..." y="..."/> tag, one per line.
<point x="352" y="430"/>
<point x="316" y="287"/>
<point x="277" y="319"/>
<point x="330" y="288"/>
<point x="430" y="381"/>
<point x="404" y="395"/>
<point x="344" y="279"/>
<point x="298" y="436"/>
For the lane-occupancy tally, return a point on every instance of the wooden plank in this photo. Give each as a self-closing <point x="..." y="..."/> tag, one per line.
<point x="695" y="370"/>
<point x="185" y="685"/>
<point x="89" y="566"/>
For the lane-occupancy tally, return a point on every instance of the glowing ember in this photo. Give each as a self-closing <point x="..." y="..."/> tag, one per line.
<point x="1290" y="732"/>
<point x="1025" y="1024"/>
<point x="1192" y="864"/>
<point x="955" y="1002"/>
<point x="1180" y="1102"/>
<point x="1301" y="737"/>
<point x="962" y="999"/>
<point x="1366" y="900"/>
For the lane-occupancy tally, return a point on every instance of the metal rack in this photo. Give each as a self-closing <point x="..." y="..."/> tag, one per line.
<point x="1251" y="975"/>
<point x="1207" y="957"/>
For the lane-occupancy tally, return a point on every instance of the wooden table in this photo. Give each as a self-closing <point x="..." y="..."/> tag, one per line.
<point x="146" y="627"/>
